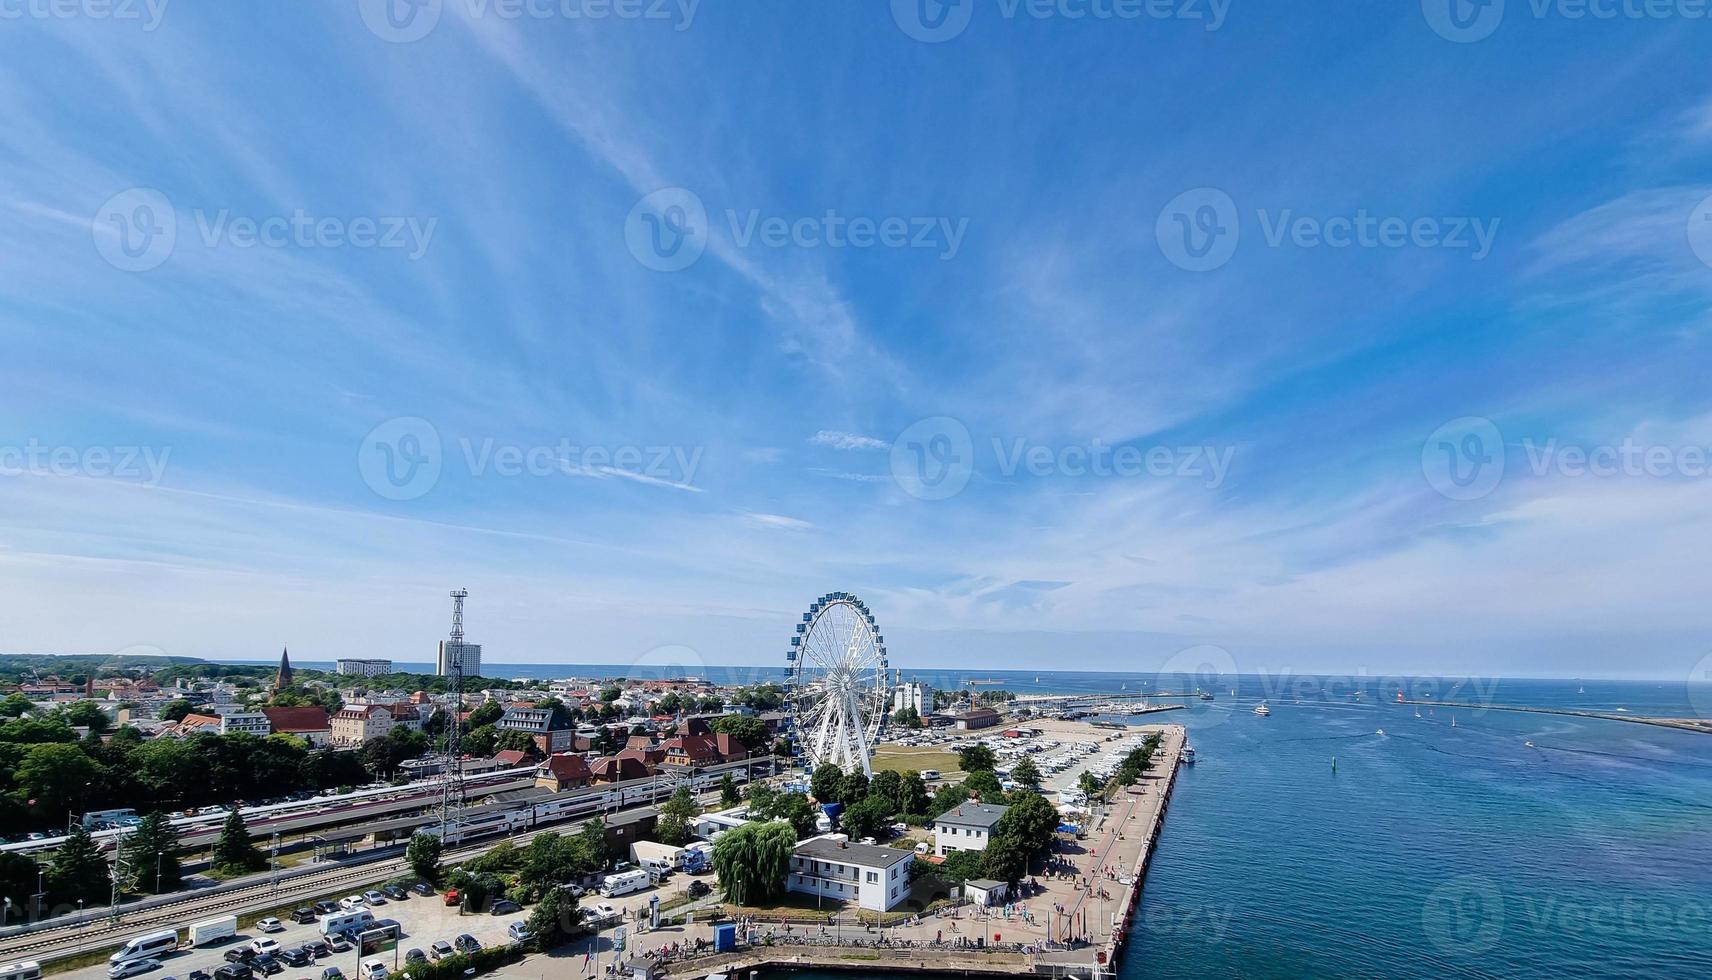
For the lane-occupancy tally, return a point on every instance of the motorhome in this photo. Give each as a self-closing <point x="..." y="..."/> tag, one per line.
<point x="346" y="921"/>
<point x="149" y="946"/>
<point x="27" y="970"/>
<point x="655" y="856"/>
<point x="624" y="883"/>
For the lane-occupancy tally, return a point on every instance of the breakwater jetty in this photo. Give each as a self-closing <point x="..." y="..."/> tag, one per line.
<point x="1685" y="724"/>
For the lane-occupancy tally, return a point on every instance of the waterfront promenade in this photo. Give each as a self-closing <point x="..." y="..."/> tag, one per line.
<point x="1074" y="925"/>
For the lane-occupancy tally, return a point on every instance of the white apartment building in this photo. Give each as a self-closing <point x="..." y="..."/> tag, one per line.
<point x="467" y="654"/>
<point x="358" y="667"/>
<point x="913" y="695"/>
<point x="965" y="828"/>
<point x="875" y="878"/>
<point x="251" y="722"/>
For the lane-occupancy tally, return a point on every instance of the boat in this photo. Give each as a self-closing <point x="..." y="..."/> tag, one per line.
<point x="1453" y="721"/>
<point x="1189" y="754"/>
<point x="1417" y="712"/>
<point x="1528" y="744"/>
<point x="1379" y="731"/>
<point x="1581" y="690"/>
<point x="1205" y="696"/>
<point x="1261" y="709"/>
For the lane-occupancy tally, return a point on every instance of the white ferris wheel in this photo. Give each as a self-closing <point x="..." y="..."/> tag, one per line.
<point x="836" y="683"/>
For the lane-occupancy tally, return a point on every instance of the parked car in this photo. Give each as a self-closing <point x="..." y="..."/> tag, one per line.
<point x="422" y="888"/>
<point x="698" y="888"/>
<point x="415" y="955"/>
<point x="351" y="903"/>
<point x="440" y="949"/>
<point x="234" y="971"/>
<point x="394" y="892"/>
<point x="297" y="956"/>
<point x="264" y="945"/>
<point x="130" y="968"/>
<point x="337" y="942"/>
<point x="303" y="916"/>
<point x="466" y="943"/>
<point x="326" y="908"/>
<point x="374" y="970"/>
<point x="505" y="906"/>
<point x="240" y="954"/>
<point x="374" y="897"/>
<point x="270" y="924"/>
<point x="518" y="931"/>
<point x="318" y="948"/>
<point x="198" y="975"/>
<point x="266" y="964"/>
<point x="332" y="973"/>
<point x="452" y="896"/>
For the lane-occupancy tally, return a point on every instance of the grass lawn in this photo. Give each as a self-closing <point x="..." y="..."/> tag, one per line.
<point x="903" y="759"/>
<point x="791" y="906"/>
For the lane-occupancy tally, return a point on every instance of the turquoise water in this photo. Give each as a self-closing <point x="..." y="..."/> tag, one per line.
<point x="1430" y="851"/>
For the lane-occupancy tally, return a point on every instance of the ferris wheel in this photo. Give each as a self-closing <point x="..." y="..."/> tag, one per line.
<point x="836" y="683"/>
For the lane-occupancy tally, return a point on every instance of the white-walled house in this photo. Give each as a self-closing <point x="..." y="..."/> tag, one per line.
<point x="965" y="828"/>
<point x="875" y="878"/>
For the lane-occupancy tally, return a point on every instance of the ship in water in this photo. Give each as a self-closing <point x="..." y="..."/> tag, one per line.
<point x="1189" y="755"/>
<point x="1206" y="696"/>
<point x="1261" y="709"/>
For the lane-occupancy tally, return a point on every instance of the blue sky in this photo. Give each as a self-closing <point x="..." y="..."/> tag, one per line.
<point x="1295" y="246"/>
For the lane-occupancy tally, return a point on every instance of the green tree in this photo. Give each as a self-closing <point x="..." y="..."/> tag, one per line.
<point x="515" y="740"/>
<point x="611" y="694"/>
<point x="554" y="921"/>
<point x="752" y="732"/>
<point x="78" y="872"/>
<point x="233" y="851"/>
<point x="151" y="856"/>
<point x="593" y="844"/>
<point x="176" y="709"/>
<point x="17" y="882"/>
<point x="87" y="714"/>
<point x="15" y="705"/>
<point x="976" y="757"/>
<point x="853" y="787"/>
<point x="728" y="795"/>
<point x="947" y="797"/>
<point x="60" y="777"/>
<point x="480" y="740"/>
<point x="423" y="855"/>
<point x="985" y="784"/>
<point x="907" y="717"/>
<point x="485" y="714"/>
<point x="888" y="786"/>
<point x="912" y="795"/>
<point x="751" y="861"/>
<point x="868" y="817"/>
<point x="825" y="782"/>
<point x="1090" y="784"/>
<point x="1026" y="773"/>
<point x="673" y="826"/>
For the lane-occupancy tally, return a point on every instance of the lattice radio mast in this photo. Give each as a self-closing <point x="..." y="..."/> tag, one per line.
<point x="452" y="788"/>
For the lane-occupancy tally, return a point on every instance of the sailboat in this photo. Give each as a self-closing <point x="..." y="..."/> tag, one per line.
<point x="1581" y="690"/>
<point x="1417" y="712"/>
<point x="1453" y="721"/>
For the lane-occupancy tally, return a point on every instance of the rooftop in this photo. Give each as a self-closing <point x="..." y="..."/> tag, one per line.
<point x="863" y="855"/>
<point x="973" y="815"/>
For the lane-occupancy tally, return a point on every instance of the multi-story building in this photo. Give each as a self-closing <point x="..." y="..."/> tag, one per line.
<point x="356" y="724"/>
<point x="913" y="695"/>
<point x="875" y="878"/>
<point x="965" y="828"/>
<point x="358" y="667"/>
<point x="251" y="722"/>
<point x="308" y="723"/>
<point x="467" y="654"/>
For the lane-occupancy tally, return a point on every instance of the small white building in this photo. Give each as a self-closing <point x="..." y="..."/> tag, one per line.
<point x="875" y="878"/>
<point x="362" y="667"/>
<point x="251" y="722"/>
<point x="965" y="828"/>
<point x="985" y="892"/>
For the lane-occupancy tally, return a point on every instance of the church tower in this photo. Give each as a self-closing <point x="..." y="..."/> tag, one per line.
<point x="283" y="679"/>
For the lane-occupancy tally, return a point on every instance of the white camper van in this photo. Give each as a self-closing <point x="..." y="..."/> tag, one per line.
<point x="150" y="946"/>
<point x="624" y="883"/>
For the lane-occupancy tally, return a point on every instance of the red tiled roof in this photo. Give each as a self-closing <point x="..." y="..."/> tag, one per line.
<point x="510" y="757"/>
<point x="566" y="768"/>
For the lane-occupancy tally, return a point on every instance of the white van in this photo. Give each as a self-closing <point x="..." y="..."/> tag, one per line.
<point x="213" y="930"/>
<point x="623" y="884"/>
<point x="28" y="970"/>
<point x="929" y="775"/>
<point x="152" y="945"/>
<point x="345" y="921"/>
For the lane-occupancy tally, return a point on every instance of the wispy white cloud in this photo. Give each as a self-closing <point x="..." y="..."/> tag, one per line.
<point x="847" y="440"/>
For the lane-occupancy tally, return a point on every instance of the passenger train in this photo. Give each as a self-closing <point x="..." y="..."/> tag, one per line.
<point x="576" y="804"/>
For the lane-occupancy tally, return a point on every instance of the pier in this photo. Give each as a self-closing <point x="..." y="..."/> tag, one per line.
<point x="1683" y="724"/>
